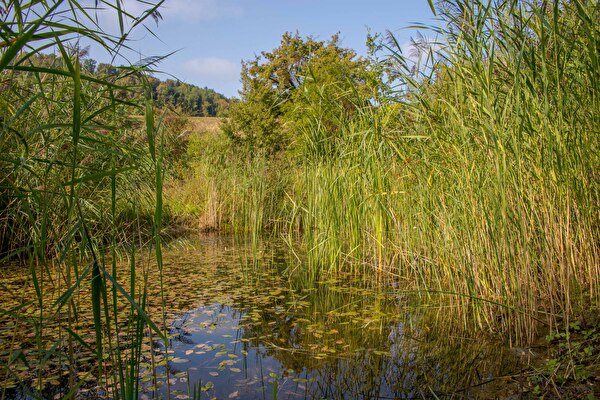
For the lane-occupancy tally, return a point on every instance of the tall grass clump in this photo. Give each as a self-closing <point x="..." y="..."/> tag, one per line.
<point x="341" y="196"/>
<point x="465" y="170"/>
<point x="474" y="180"/>
<point x="77" y="181"/>
<point x="221" y="190"/>
<point x="499" y="141"/>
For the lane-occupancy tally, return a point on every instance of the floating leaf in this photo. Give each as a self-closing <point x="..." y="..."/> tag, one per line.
<point x="381" y="353"/>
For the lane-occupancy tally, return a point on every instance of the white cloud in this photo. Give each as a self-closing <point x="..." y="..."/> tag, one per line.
<point x="171" y="10"/>
<point x="212" y="71"/>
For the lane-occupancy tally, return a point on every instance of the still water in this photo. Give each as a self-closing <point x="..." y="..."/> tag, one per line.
<point x="247" y="323"/>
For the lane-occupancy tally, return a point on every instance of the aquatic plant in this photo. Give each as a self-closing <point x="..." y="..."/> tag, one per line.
<point x="469" y="177"/>
<point x="75" y="179"/>
<point x="500" y="142"/>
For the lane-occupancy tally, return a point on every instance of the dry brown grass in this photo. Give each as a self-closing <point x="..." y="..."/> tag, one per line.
<point x="203" y="125"/>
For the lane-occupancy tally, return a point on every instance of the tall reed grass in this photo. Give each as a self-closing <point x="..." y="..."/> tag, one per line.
<point x="474" y="181"/>
<point x="507" y="196"/>
<point x="75" y="182"/>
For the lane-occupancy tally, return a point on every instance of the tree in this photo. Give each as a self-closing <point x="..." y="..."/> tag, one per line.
<point x="286" y="90"/>
<point x="195" y="101"/>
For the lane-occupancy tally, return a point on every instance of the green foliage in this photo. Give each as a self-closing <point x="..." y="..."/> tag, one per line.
<point x="302" y="83"/>
<point x="73" y="169"/>
<point x="194" y="101"/>
<point x="474" y="179"/>
<point x="43" y="158"/>
<point x="255" y="122"/>
<point x="499" y="142"/>
<point x="575" y="359"/>
<point x="189" y="99"/>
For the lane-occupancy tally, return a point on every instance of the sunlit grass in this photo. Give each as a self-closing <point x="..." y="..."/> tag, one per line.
<point x="76" y="180"/>
<point x="475" y="182"/>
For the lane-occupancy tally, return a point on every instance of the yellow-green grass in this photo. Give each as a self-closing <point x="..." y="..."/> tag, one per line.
<point x="478" y="189"/>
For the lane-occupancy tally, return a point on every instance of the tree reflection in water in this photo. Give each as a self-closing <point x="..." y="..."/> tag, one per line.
<point x="256" y="334"/>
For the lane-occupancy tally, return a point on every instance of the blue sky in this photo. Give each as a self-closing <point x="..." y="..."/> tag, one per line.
<point x="211" y="37"/>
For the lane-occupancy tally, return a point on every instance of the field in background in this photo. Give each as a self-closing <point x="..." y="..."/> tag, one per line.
<point x="203" y="125"/>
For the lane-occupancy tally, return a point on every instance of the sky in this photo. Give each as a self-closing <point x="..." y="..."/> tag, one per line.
<point x="210" y="38"/>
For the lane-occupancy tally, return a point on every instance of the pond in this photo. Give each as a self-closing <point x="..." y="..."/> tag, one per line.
<point x="246" y="322"/>
<point x="251" y="326"/>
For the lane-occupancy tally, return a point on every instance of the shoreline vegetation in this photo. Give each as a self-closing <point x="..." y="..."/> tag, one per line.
<point x="475" y="177"/>
<point x="80" y="187"/>
<point x="464" y="170"/>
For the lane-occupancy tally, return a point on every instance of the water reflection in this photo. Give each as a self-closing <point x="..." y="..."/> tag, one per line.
<point x="245" y="330"/>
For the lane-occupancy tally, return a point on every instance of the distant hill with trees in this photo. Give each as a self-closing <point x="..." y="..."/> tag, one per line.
<point x="193" y="100"/>
<point x="188" y="98"/>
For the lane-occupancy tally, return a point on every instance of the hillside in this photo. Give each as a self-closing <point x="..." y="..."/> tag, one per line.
<point x="190" y="99"/>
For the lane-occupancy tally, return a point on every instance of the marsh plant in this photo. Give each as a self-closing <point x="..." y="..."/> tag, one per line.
<point x="77" y="180"/>
<point x="464" y="169"/>
<point x="504" y="203"/>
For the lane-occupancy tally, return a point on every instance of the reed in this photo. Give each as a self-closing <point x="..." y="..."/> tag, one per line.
<point x="506" y="197"/>
<point x="75" y="181"/>
<point x="473" y="180"/>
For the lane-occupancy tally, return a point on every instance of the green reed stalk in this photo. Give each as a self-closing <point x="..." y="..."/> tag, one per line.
<point x="55" y="206"/>
<point x="503" y="166"/>
<point x="473" y="183"/>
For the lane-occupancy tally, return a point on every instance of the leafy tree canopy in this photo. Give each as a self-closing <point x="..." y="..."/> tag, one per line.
<point x="190" y="99"/>
<point x="302" y="77"/>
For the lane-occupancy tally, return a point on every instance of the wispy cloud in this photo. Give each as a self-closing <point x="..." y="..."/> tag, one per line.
<point x="171" y="10"/>
<point x="212" y="71"/>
